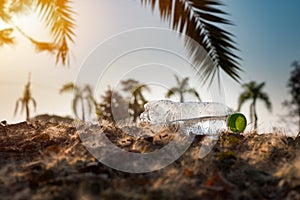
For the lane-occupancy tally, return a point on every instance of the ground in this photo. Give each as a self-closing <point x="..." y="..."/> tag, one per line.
<point x="45" y="159"/>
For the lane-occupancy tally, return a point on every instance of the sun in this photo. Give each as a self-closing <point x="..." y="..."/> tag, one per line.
<point x="31" y="25"/>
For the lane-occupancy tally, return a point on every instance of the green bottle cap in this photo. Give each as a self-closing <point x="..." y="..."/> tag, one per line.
<point x="237" y="122"/>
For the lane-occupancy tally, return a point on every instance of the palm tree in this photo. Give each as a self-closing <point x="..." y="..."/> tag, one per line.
<point x="136" y="99"/>
<point x="199" y="19"/>
<point x="25" y="100"/>
<point x="57" y="16"/>
<point x="182" y="88"/>
<point x="253" y="92"/>
<point x="112" y="107"/>
<point x="82" y="96"/>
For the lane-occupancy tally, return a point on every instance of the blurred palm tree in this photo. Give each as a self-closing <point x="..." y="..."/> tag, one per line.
<point x="136" y="98"/>
<point x="84" y="96"/>
<point x="293" y="105"/>
<point x="198" y="19"/>
<point x="201" y="21"/>
<point x="57" y="17"/>
<point x="25" y="100"/>
<point x="182" y="88"/>
<point x="113" y="106"/>
<point x="253" y="92"/>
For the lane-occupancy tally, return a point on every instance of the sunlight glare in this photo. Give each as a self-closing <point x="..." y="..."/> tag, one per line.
<point x="32" y="26"/>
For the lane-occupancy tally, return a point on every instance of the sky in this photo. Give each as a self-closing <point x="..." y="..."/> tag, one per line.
<point x="266" y="32"/>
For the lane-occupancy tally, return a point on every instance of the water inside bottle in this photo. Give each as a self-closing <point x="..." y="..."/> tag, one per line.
<point x="210" y="125"/>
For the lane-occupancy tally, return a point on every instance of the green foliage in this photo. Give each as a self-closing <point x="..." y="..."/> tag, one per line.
<point x="57" y="17"/>
<point x="182" y="88"/>
<point x="253" y="92"/>
<point x="201" y="20"/>
<point x="294" y="89"/>
<point x="25" y="100"/>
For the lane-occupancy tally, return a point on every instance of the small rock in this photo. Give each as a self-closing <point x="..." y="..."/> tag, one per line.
<point x="3" y="123"/>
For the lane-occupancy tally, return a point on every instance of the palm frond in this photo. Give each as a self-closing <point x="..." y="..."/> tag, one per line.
<point x="165" y="8"/>
<point x="23" y="104"/>
<point x="20" y="6"/>
<point x="89" y="105"/>
<point x="174" y="90"/>
<point x="153" y="2"/>
<point x="142" y="87"/>
<point x="58" y="16"/>
<point x="265" y="98"/>
<point x="33" y="102"/>
<point x="260" y="86"/>
<point x="67" y="87"/>
<point x="177" y="79"/>
<point x="184" y="83"/>
<point x="74" y="105"/>
<point x="44" y="46"/>
<point x="170" y="93"/>
<point x="242" y="99"/>
<point x="88" y="90"/>
<point x="129" y="85"/>
<point x="17" y="105"/>
<point x="4" y="16"/>
<point x="5" y="36"/>
<point x="195" y="93"/>
<point x="198" y="19"/>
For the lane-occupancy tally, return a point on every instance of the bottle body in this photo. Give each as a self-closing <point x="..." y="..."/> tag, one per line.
<point x="203" y="125"/>
<point x="200" y="118"/>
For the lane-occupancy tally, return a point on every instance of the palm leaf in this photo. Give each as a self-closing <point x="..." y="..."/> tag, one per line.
<point x="5" y="36"/>
<point x="177" y="79"/>
<point x="184" y="83"/>
<point x="170" y="93"/>
<point x="88" y="90"/>
<point x="243" y="98"/>
<point x="23" y="103"/>
<point x="3" y="10"/>
<point x="139" y="91"/>
<point x="67" y="88"/>
<point x="58" y="16"/>
<point x="17" y="105"/>
<point x="260" y="86"/>
<point x="89" y="98"/>
<point x="195" y="93"/>
<point x="89" y="105"/>
<point x="141" y="87"/>
<point x="44" y="46"/>
<point x="129" y="85"/>
<point x="20" y="6"/>
<point x="198" y="19"/>
<point x="263" y="96"/>
<point x="33" y="102"/>
<point x="74" y="105"/>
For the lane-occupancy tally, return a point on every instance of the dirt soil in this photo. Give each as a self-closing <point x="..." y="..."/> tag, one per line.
<point x="45" y="159"/>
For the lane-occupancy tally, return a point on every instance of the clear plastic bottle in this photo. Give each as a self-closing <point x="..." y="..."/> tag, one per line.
<point x="199" y="118"/>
